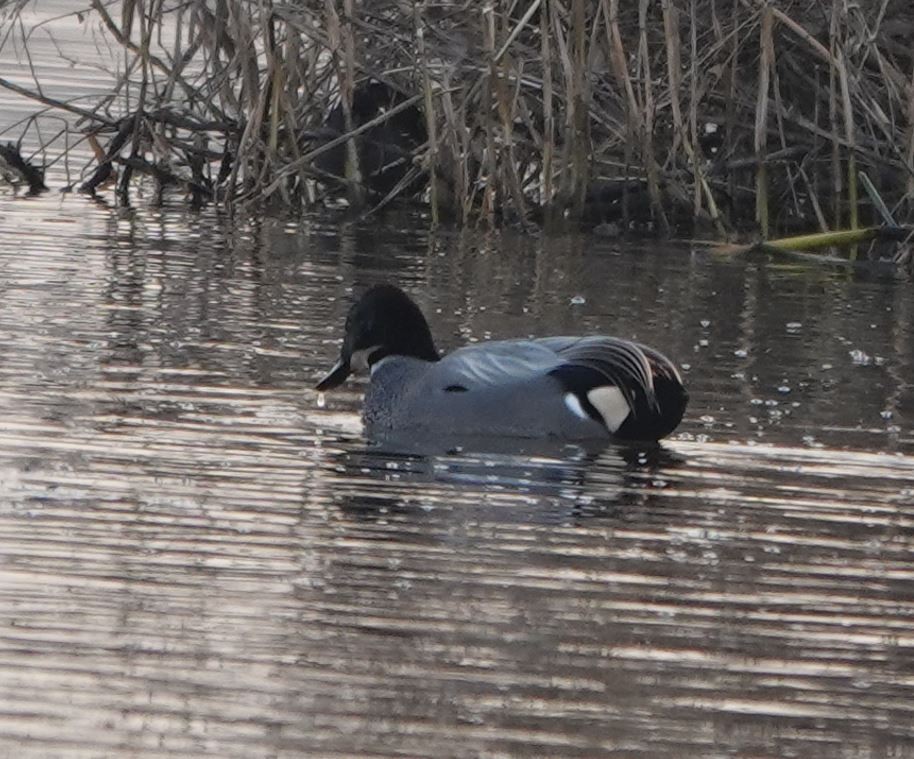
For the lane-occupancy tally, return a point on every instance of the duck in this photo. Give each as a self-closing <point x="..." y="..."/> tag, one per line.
<point x="570" y="388"/>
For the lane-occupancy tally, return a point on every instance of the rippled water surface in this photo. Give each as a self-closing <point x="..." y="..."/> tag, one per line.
<point x="196" y="559"/>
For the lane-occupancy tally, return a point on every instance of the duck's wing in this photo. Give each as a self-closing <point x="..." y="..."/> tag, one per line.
<point x="498" y="388"/>
<point x="576" y="385"/>
<point x="633" y="389"/>
<point x="494" y="364"/>
<point x="588" y="363"/>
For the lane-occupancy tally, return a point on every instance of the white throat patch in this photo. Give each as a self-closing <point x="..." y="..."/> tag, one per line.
<point x="358" y="361"/>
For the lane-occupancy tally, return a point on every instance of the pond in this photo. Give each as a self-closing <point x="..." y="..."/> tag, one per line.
<point x="198" y="560"/>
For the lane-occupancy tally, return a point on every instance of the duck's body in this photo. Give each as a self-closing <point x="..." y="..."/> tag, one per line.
<point x="572" y="388"/>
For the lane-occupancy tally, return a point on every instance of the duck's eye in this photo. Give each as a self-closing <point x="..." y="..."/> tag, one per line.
<point x="455" y="389"/>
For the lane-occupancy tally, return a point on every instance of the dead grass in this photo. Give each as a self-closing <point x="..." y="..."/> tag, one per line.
<point x="731" y="114"/>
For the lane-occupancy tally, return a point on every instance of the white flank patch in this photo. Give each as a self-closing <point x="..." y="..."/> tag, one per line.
<point x="571" y="400"/>
<point x="611" y="404"/>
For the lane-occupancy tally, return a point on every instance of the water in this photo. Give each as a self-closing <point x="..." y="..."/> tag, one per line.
<point x="197" y="559"/>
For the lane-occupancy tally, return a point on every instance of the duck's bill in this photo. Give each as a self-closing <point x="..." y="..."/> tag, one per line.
<point x="336" y="376"/>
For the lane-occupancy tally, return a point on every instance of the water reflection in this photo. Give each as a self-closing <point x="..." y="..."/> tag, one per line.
<point x="722" y="615"/>
<point x="578" y="481"/>
<point x="196" y="559"/>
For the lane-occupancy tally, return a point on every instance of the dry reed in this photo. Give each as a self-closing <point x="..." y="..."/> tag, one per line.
<point x="656" y="115"/>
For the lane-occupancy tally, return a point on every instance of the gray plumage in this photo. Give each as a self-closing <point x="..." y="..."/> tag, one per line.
<point x="574" y="388"/>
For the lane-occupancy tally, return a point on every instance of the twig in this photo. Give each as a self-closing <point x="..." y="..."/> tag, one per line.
<point x="54" y="103"/>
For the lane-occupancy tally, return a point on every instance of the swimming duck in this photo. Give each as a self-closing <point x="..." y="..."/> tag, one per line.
<point x="573" y="388"/>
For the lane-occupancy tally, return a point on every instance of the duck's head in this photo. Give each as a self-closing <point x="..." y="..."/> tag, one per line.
<point x="383" y="322"/>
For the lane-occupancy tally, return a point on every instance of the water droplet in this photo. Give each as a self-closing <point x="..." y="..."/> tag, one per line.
<point x="578" y="300"/>
<point x="705" y="323"/>
<point x="784" y="389"/>
<point x="885" y="414"/>
<point x="741" y="353"/>
<point x="860" y="358"/>
<point x="321" y="400"/>
<point x="794" y="326"/>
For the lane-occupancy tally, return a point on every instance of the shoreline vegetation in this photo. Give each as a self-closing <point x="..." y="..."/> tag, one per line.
<point x="729" y="119"/>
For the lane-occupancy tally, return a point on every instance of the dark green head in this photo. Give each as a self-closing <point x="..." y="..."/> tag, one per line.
<point x="383" y="322"/>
